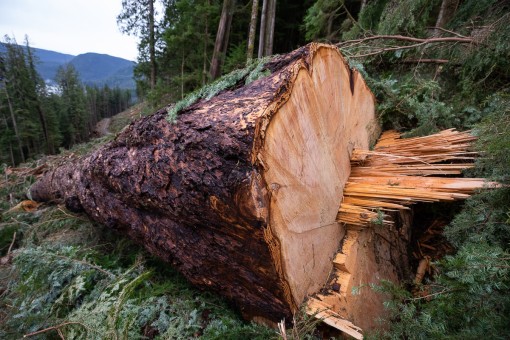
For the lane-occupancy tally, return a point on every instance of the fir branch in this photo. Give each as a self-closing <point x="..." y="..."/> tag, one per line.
<point x="85" y="263"/>
<point x="55" y="328"/>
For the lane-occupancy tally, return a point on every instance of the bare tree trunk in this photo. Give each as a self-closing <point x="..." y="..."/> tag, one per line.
<point x="253" y="28"/>
<point x="152" y="45"/>
<point x="14" y="125"/>
<point x="267" y="22"/>
<point x="182" y="75"/>
<point x="221" y="43"/>
<point x="448" y="9"/>
<point x="206" y="40"/>
<point x="270" y="28"/>
<point x="11" y="153"/>
<point x="49" y="143"/>
<point x="262" y="33"/>
<point x="40" y="112"/>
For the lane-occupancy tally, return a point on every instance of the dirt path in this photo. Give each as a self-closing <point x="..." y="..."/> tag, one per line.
<point x="102" y="127"/>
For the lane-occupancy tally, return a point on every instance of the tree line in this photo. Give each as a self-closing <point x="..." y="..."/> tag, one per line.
<point x="38" y="119"/>
<point x="186" y="44"/>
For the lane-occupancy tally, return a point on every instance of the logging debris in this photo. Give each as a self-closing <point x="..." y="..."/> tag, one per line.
<point x="400" y="172"/>
<point x="396" y="174"/>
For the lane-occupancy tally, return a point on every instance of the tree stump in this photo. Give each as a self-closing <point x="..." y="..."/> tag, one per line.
<point x="241" y="192"/>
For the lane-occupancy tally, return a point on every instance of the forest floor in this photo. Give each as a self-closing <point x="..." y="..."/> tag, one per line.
<point x="64" y="275"/>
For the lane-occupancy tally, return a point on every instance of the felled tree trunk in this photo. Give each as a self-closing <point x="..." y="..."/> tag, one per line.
<point x="241" y="193"/>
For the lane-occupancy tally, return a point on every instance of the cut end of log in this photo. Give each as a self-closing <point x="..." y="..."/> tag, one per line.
<point x="305" y="148"/>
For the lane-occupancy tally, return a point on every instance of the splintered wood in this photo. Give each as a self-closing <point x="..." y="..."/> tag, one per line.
<point x="396" y="174"/>
<point x="400" y="172"/>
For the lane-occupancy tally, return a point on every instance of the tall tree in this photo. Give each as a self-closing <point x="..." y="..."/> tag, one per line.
<point x="267" y="23"/>
<point x="152" y="44"/>
<point x="253" y="28"/>
<point x="446" y="13"/>
<point x="74" y="119"/>
<point x="3" y="84"/>
<point x="222" y="36"/>
<point x="22" y="94"/>
<point x="138" y="18"/>
<point x="37" y="84"/>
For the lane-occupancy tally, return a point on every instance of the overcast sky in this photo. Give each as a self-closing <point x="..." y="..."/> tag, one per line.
<point x="68" y="26"/>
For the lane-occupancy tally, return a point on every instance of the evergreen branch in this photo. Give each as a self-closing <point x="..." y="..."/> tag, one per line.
<point x="55" y="328"/>
<point x="448" y="31"/>
<point x="85" y="263"/>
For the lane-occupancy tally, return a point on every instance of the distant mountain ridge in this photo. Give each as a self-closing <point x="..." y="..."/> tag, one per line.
<point x="93" y="68"/>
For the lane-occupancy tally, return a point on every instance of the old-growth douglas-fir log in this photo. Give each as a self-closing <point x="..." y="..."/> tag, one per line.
<point x="241" y="192"/>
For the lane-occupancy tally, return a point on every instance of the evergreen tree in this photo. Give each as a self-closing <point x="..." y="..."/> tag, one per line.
<point x="73" y="118"/>
<point x="138" y="18"/>
<point x="22" y="95"/>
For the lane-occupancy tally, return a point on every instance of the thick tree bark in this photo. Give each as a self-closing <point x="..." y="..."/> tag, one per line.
<point x="241" y="193"/>
<point x="222" y="37"/>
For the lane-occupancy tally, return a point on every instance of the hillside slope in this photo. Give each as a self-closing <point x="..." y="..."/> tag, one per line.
<point x="93" y="68"/>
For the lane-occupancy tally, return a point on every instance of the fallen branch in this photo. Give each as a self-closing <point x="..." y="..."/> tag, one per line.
<point x="464" y="40"/>
<point x="12" y="243"/>
<point x="55" y="328"/>
<point x="447" y="31"/>
<point x="387" y="49"/>
<point x="417" y="42"/>
<point x="428" y="61"/>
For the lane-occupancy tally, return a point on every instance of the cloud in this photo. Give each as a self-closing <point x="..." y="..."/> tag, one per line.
<point x="72" y="27"/>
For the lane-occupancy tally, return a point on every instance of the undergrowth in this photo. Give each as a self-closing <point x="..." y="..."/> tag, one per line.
<point x="69" y="277"/>
<point x="77" y="277"/>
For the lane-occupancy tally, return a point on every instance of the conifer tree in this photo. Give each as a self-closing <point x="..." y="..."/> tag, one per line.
<point x="138" y="18"/>
<point x="74" y="122"/>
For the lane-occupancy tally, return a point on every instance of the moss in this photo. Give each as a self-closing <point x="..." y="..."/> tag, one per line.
<point x="252" y="72"/>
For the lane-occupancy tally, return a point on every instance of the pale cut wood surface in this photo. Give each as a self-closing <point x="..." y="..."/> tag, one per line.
<point x="306" y="155"/>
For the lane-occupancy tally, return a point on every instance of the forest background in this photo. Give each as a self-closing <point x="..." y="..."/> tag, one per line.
<point x="432" y="64"/>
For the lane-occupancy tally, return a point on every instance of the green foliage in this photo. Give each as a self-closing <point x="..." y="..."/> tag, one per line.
<point x="83" y="278"/>
<point x="469" y="299"/>
<point x="319" y="18"/>
<point x="368" y="19"/>
<point x="407" y="17"/>
<point x="485" y="217"/>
